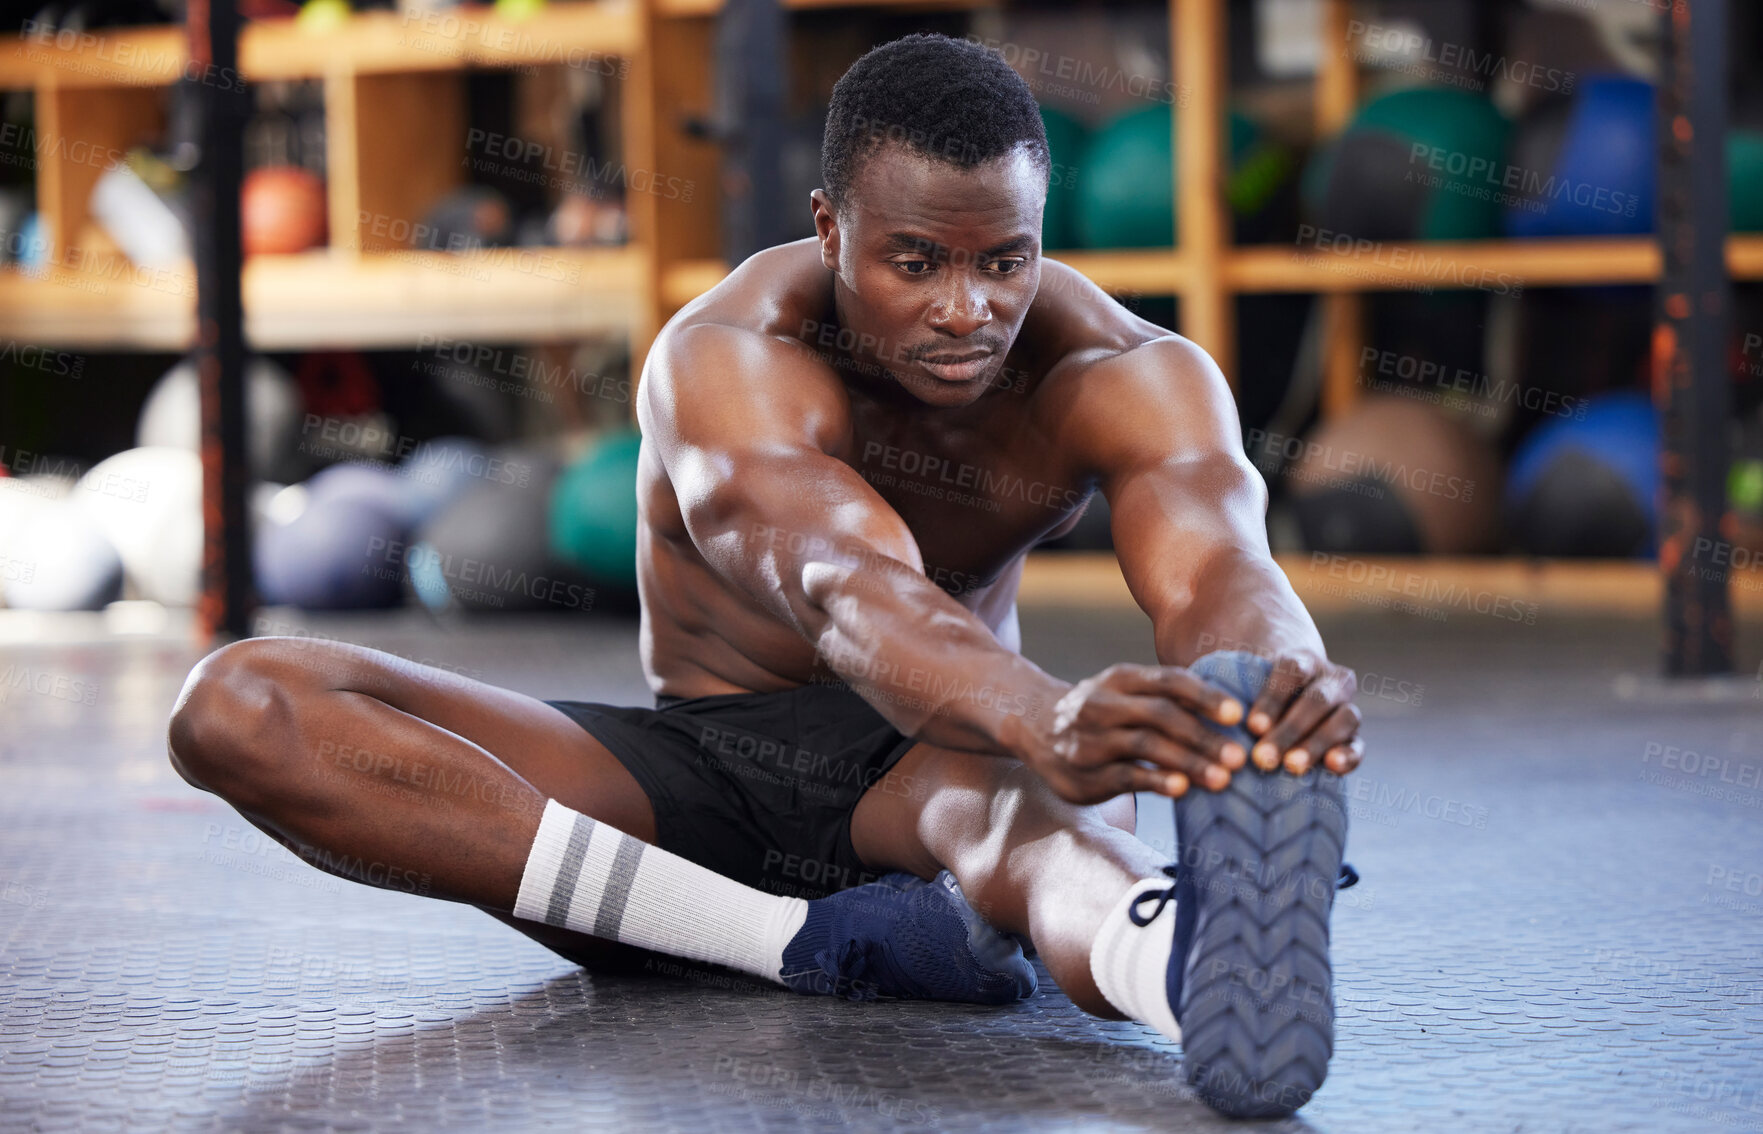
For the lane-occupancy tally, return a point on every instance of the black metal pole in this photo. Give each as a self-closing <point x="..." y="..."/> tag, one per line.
<point x="751" y="67"/>
<point x="1689" y="364"/>
<point x="222" y="104"/>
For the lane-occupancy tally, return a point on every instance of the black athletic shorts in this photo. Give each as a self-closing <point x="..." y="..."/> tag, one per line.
<point x="759" y="787"/>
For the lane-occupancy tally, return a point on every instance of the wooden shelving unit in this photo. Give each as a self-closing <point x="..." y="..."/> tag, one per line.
<point x="394" y="109"/>
<point x="395" y="120"/>
<point x="1206" y="271"/>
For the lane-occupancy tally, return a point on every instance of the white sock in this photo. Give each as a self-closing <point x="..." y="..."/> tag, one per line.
<point x="1131" y="962"/>
<point x="596" y="879"/>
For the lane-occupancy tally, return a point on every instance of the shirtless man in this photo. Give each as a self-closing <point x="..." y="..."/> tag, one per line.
<point x="848" y="447"/>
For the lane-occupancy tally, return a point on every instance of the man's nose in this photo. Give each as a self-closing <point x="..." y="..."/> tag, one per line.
<point x="961" y="308"/>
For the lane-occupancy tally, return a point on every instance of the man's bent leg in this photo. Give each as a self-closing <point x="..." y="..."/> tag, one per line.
<point x="1027" y="861"/>
<point x="381" y="771"/>
<point x="1261" y="853"/>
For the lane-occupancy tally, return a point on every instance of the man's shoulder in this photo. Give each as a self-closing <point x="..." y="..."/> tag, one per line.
<point x="1096" y="344"/>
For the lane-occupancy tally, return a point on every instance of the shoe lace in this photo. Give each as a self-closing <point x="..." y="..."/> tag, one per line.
<point x="846" y="967"/>
<point x="1347" y="877"/>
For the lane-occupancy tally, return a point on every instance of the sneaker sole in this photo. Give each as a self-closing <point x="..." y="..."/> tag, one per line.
<point x="1259" y="862"/>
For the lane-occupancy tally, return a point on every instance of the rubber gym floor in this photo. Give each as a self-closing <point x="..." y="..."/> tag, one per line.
<point x="1559" y="926"/>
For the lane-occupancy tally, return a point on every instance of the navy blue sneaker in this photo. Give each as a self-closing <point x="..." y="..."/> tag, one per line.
<point x="907" y="939"/>
<point x="1255" y="876"/>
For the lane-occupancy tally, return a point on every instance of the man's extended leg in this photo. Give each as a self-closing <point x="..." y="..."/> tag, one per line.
<point x="408" y="777"/>
<point x="1227" y="950"/>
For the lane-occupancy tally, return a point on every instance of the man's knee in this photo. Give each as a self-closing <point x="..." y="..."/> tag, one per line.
<point x="234" y="705"/>
<point x="1237" y="672"/>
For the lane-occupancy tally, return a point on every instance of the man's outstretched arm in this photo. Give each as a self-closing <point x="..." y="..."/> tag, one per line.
<point x="1188" y="514"/>
<point x="747" y="427"/>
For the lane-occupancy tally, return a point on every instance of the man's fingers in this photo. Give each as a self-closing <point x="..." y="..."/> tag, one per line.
<point x="1338" y="728"/>
<point x="1305" y="714"/>
<point x="1102" y="784"/>
<point x="1290" y="674"/>
<point x="1187" y="731"/>
<point x="1131" y="746"/>
<point x="1343" y="758"/>
<point x="1180" y="686"/>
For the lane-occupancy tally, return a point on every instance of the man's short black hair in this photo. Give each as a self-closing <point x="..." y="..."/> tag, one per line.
<point x="948" y="99"/>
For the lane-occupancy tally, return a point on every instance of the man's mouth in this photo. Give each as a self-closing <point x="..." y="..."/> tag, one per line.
<point x="963" y="367"/>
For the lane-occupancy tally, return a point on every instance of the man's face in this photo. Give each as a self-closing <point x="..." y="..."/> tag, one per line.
<point x="936" y="267"/>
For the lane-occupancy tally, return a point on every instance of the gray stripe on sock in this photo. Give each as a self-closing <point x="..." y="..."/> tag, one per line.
<point x="569" y="871"/>
<point x="618" y="888"/>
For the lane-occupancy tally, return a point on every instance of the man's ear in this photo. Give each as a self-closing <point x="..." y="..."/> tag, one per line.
<point x="826" y="228"/>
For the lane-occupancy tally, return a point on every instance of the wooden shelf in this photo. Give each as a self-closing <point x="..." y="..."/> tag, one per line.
<point x="1557" y="587"/>
<point x="679" y="8"/>
<point x="371" y="42"/>
<point x="1493" y="265"/>
<point x="1441" y="265"/>
<point x="326" y="298"/>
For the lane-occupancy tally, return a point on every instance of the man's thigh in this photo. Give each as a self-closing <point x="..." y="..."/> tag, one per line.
<point x="536" y="741"/>
<point x="933" y="792"/>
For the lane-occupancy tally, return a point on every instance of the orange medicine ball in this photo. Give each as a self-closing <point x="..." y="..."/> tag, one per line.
<point x="283" y="210"/>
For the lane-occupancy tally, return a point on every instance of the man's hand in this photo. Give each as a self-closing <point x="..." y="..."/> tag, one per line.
<point x="1138" y="728"/>
<point x="1305" y="713"/>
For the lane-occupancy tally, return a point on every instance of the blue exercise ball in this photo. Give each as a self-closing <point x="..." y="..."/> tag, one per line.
<point x="319" y="553"/>
<point x="376" y="486"/>
<point x="1588" y="486"/>
<point x="1586" y="166"/>
<point x="439" y="471"/>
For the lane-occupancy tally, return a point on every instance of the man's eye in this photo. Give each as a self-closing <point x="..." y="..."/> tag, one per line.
<point x="910" y="267"/>
<point x="1005" y="267"/>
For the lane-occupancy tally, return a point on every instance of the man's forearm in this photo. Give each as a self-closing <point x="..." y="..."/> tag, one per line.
<point x="928" y="664"/>
<point x="1241" y="600"/>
